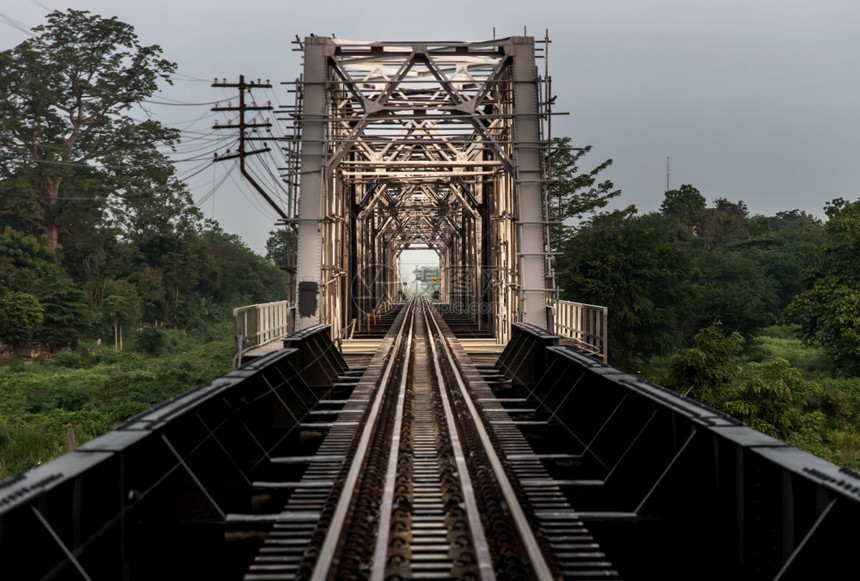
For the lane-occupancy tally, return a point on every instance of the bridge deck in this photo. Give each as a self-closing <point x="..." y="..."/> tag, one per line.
<point x="666" y="487"/>
<point x="482" y="349"/>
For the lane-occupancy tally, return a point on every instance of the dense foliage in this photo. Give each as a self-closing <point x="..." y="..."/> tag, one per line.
<point x="695" y="292"/>
<point x="95" y="388"/>
<point x="773" y="384"/>
<point x="113" y="288"/>
<point x="828" y="308"/>
<point x="97" y="236"/>
<point x="108" y="269"/>
<point x="666" y="275"/>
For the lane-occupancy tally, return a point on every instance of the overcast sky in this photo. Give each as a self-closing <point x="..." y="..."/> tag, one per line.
<point x="754" y="100"/>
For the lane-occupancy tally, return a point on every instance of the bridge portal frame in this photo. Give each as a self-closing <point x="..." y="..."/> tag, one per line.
<point x="437" y="145"/>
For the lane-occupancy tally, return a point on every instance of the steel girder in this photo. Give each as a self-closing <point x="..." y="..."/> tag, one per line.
<point x="421" y="144"/>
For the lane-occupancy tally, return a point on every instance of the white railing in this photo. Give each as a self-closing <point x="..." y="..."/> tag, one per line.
<point x="256" y="325"/>
<point x="585" y="324"/>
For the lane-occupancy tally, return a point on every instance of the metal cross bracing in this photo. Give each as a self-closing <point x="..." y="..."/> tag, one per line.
<point x="435" y="145"/>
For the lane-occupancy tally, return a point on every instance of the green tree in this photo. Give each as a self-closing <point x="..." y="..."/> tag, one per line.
<point x="638" y="268"/>
<point x="169" y="268"/>
<point x="150" y="339"/>
<point x="20" y="317"/>
<point x="236" y="275"/>
<point x="724" y="221"/>
<point x="66" y="313"/>
<point x="281" y="248"/>
<point x="732" y="290"/>
<point x="153" y="296"/>
<point x="707" y="366"/>
<point x="122" y="306"/>
<point x="65" y="96"/>
<point x="835" y="206"/>
<point x="158" y="205"/>
<point x="770" y="398"/>
<point x="23" y="260"/>
<point x="828" y="309"/>
<point x="782" y="247"/>
<point x="686" y="202"/>
<point x="573" y="193"/>
<point x="793" y="220"/>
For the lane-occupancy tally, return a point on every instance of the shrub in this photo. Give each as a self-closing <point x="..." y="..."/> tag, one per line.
<point x="770" y="398"/>
<point x="150" y="339"/>
<point x="707" y="366"/>
<point x="68" y="358"/>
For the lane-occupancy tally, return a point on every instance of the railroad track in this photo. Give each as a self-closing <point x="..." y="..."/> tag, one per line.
<point x="422" y="463"/>
<point x="421" y="474"/>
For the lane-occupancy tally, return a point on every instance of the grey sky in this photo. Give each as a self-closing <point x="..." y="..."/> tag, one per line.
<point x="756" y="100"/>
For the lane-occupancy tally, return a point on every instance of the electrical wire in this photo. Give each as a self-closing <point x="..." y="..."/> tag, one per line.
<point x="253" y="200"/>
<point x="40" y="5"/>
<point x="177" y="103"/>
<point x="212" y="191"/>
<point x="17" y="25"/>
<point x="198" y="144"/>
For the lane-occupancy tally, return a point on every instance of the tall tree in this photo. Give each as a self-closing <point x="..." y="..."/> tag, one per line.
<point x="21" y="315"/>
<point x="686" y="203"/>
<point x="66" y="312"/>
<point x="281" y="248"/>
<point x="573" y="193"/>
<point x="65" y="97"/>
<point x="122" y="307"/>
<point x="637" y="267"/>
<point x="828" y="309"/>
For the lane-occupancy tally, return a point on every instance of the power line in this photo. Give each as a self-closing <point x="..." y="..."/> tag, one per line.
<point x="178" y="103"/>
<point x="189" y="78"/>
<point x="253" y="200"/>
<point x="40" y="5"/>
<point x="191" y="175"/>
<point x="16" y="24"/>
<point x="211" y="192"/>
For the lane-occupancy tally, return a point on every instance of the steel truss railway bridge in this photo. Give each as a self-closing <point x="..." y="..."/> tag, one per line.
<point x="475" y="434"/>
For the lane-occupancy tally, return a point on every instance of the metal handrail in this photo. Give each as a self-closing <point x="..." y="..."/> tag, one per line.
<point x="256" y="325"/>
<point x="585" y="324"/>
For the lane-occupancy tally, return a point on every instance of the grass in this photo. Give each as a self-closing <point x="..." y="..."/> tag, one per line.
<point x="825" y="416"/>
<point x="774" y="342"/>
<point x="95" y="388"/>
<point x="827" y="423"/>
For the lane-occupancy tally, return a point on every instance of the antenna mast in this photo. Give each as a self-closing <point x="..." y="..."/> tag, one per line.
<point x="667" y="172"/>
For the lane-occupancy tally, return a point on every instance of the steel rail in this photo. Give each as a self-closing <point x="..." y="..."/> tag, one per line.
<point x="384" y="528"/>
<point x="325" y="559"/>
<point x="537" y="559"/>
<point x="473" y="514"/>
<point x="443" y="360"/>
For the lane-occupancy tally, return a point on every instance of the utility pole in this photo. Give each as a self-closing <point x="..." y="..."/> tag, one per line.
<point x="242" y="126"/>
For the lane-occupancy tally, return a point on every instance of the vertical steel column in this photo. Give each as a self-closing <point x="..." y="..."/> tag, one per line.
<point x="528" y="184"/>
<point x="309" y="254"/>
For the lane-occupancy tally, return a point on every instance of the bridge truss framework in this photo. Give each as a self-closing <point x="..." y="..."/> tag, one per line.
<point x="436" y="145"/>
